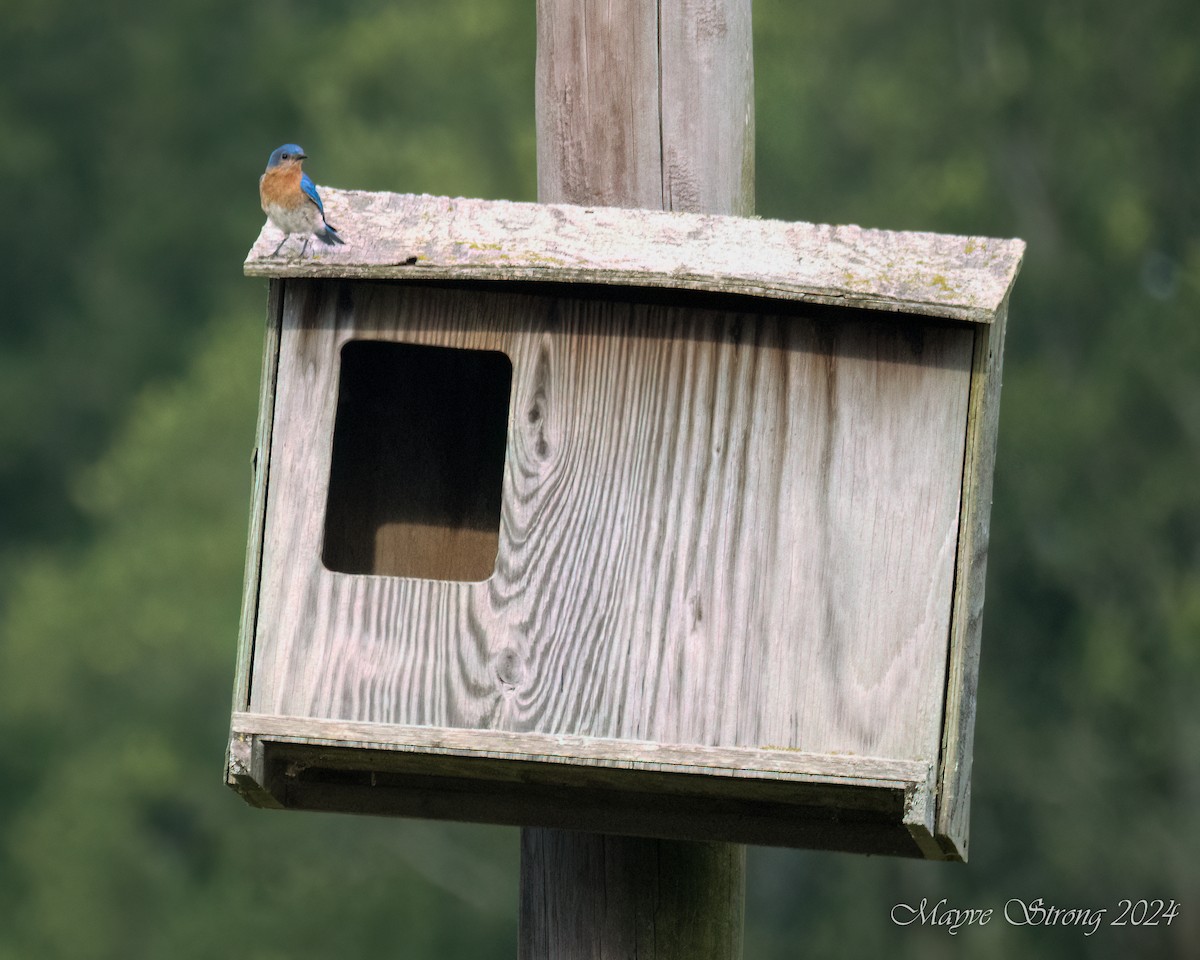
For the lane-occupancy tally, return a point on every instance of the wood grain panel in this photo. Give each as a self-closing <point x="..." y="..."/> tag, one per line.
<point x="716" y="529"/>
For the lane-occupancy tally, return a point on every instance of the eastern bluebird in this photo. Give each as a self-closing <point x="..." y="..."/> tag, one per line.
<point x="290" y="199"/>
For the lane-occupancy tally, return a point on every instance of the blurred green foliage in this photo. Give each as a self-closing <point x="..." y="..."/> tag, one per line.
<point x="128" y="373"/>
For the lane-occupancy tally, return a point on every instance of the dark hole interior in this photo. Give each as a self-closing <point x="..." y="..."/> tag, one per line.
<point x="418" y="461"/>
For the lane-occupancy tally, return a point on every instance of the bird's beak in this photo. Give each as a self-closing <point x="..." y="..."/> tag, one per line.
<point x="301" y="156"/>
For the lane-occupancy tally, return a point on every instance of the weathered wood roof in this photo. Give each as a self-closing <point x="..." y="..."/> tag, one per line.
<point x="393" y="236"/>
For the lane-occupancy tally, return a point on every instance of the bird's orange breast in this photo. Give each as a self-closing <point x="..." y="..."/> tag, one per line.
<point x="280" y="186"/>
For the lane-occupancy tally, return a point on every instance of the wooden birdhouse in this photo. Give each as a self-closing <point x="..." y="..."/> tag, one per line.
<point x="634" y="522"/>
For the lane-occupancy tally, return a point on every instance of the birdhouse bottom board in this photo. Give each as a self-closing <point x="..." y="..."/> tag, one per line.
<point x="640" y="563"/>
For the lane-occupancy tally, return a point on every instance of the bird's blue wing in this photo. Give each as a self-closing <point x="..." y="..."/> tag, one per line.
<point x="310" y="191"/>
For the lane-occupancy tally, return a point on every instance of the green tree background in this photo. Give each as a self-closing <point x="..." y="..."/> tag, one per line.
<point x="129" y="357"/>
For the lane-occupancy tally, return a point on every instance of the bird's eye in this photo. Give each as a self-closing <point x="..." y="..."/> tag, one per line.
<point x="284" y="156"/>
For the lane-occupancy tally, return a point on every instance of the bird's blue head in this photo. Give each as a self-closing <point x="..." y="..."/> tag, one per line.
<point x="288" y="153"/>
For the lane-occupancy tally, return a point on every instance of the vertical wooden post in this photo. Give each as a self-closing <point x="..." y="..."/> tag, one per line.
<point x="640" y="105"/>
<point x="585" y="896"/>
<point x="646" y="104"/>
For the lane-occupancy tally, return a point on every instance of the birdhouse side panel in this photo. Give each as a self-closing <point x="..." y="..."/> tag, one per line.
<point x="260" y="461"/>
<point x="954" y="788"/>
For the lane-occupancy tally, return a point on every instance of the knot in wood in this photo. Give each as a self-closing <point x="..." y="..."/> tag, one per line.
<point x="509" y="667"/>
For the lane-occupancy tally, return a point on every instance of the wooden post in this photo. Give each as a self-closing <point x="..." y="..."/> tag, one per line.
<point x="646" y="104"/>
<point x="640" y="105"/>
<point x="585" y="896"/>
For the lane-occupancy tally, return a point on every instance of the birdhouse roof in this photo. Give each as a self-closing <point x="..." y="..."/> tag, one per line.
<point x="393" y="236"/>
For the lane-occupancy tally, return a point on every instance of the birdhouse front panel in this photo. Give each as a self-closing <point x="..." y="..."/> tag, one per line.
<point x="542" y="540"/>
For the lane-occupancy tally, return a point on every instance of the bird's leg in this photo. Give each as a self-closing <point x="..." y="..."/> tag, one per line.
<point x="286" y="237"/>
<point x="304" y="249"/>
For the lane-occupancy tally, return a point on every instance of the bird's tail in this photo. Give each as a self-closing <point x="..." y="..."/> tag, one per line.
<point x="330" y="235"/>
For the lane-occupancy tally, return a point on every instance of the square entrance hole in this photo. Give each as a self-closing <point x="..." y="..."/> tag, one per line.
<point x="418" y="461"/>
